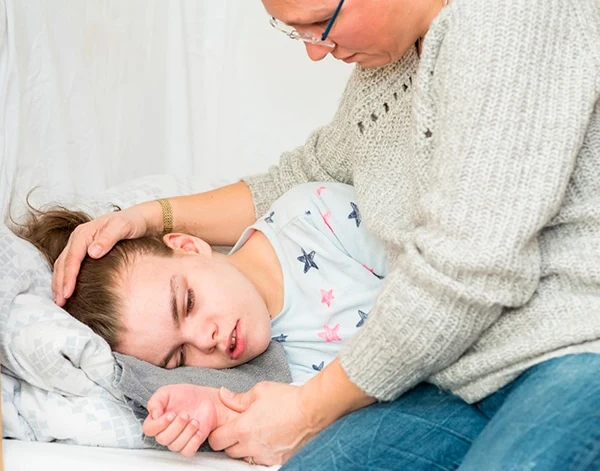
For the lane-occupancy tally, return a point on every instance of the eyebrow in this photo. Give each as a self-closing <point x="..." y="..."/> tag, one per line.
<point x="175" y="316"/>
<point x="306" y="21"/>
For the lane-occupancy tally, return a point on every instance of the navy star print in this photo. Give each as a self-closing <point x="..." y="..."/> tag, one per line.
<point x="280" y="338"/>
<point x="319" y="367"/>
<point x="307" y="259"/>
<point x="363" y="318"/>
<point x="355" y="214"/>
<point x="269" y="218"/>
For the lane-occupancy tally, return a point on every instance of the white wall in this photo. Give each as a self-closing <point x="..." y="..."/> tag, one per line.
<point x="96" y="92"/>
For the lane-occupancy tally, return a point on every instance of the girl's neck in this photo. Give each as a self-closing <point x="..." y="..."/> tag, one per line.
<point x="258" y="261"/>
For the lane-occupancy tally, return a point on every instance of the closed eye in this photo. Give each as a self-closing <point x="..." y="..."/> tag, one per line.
<point x="181" y="361"/>
<point x="191" y="298"/>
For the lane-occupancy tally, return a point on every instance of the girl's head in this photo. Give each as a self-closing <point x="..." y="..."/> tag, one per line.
<point x="170" y="301"/>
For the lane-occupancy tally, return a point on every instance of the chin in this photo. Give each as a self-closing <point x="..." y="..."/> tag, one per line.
<point x="373" y="62"/>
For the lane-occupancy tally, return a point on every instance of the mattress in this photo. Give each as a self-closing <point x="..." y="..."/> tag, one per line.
<point x="34" y="456"/>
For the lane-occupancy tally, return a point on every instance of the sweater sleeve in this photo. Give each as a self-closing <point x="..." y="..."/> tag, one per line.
<point x="325" y="156"/>
<point x="509" y="91"/>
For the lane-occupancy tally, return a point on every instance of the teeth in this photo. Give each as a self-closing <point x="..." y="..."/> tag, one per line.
<point x="233" y="340"/>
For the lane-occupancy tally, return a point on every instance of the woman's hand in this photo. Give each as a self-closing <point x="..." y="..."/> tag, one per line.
<point x="273" y="425"/>
<point x="96" y="238"/>
<point x="277" y="419"/>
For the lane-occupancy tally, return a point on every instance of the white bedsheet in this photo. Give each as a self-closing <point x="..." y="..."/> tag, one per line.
<point x="37" y="456"/>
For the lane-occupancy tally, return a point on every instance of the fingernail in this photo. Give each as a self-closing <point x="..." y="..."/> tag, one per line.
<point x="194" y="422"/>
<point x="170" y="416"/>
<point x="185" y="416"/>
<point x="95" y="250"/>
<point x="65" y="292"/>
<point x="226" y="392"/>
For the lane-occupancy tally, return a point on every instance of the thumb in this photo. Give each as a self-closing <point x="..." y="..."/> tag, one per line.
<point x="238" y="402"/>
<point x="156" y="405"/>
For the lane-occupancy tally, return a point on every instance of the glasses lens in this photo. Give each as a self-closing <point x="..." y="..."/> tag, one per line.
<point x="293" y="33"/>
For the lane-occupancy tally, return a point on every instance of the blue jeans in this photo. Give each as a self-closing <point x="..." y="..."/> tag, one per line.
<point x="546" y="419"/>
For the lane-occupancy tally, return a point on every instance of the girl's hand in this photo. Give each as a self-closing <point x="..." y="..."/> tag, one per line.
<point x="181" y="416"/>
<point x="179" y="433"/>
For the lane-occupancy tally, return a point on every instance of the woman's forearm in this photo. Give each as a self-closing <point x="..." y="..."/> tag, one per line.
<point x="218" y="216"/>
<point x="331" y="395"/>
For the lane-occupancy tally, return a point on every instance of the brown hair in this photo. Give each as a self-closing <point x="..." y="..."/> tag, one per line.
<point x="95" y="301"/>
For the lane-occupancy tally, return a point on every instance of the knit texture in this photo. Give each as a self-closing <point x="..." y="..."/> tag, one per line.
<point x="478" y="165"/>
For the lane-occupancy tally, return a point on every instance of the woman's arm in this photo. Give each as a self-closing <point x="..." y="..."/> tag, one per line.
<point x="218" y="216"/>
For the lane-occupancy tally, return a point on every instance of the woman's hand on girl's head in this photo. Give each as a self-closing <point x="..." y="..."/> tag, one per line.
<point x="96" y="238"/>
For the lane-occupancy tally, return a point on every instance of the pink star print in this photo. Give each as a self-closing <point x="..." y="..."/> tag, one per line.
<point x="326" y="217"/>
<point x="320" y="190"/>
<point x="330" y="334"/>
<point x="327" y="296"/>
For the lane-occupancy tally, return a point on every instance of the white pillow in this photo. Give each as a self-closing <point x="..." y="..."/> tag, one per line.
<point x="57" y="373"/>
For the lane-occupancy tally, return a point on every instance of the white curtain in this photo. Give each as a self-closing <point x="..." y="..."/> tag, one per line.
<point x="96" y="92"/>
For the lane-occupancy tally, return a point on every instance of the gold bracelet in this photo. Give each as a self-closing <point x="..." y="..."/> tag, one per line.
<point x="167" y="214"/>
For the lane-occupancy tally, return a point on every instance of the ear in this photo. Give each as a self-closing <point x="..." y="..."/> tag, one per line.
<point x="187" y="243"/>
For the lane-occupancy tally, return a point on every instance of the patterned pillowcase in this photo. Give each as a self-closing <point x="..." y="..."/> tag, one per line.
<point x="53" y="358"/>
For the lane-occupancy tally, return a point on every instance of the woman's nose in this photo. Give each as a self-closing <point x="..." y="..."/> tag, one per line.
<point x="316" y="52"/>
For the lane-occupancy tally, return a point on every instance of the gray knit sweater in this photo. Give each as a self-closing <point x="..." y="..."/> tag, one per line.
<point x="478" y="165"/>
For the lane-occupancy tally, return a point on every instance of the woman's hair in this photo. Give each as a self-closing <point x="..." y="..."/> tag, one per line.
<point x="95" y="301"/>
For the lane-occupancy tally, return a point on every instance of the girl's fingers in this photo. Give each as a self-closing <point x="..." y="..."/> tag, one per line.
<point x="152" y="427"/>
<point x="188" y="441"/>
<point x="173" y="430"/>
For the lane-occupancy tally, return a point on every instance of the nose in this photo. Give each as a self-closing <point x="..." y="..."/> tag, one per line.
<point x="204" y="337"/>
<point x="316" y="52"/>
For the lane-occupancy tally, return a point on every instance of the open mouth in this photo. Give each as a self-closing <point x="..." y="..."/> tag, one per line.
<point x="233" y="342"/>
<point x="236" y="343"/>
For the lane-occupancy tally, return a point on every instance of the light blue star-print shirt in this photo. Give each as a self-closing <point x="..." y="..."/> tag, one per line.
<point x="332" y="270"/>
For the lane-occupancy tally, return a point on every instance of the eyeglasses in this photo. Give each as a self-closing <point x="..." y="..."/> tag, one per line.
<point x="308" y="37"/>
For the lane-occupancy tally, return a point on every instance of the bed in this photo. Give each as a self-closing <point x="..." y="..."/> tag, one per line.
<point x="96" y="95"/>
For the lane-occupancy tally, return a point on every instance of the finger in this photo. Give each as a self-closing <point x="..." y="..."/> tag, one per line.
<point x="173" y="430"/>
<point x="58" y="273"/>
<point x="194" y="444"/>
<point x="238" y="402"/>
<point x="223" y="437"/>
<point x="153" y="427"/>
<point x="182" y="440"/>
<point x="106" y="236"/>
<point x="157" y="404"/>
<point x="72" y="256"/>
<point x="239" y="451"/>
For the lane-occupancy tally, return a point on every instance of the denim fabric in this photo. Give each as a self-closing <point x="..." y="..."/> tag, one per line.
<point x="425" y="429"/>
<point x="547" y="419"/>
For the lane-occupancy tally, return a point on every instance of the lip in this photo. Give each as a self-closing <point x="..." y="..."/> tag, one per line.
<point x="349" y="59"/>
<point x="240" y="342"/>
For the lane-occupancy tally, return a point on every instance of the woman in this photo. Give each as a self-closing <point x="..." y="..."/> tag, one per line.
<point x="471" y="132"/>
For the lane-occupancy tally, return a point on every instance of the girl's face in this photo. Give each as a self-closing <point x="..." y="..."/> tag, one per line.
<point x="371" y="33"/>
<point x="194" y="309"/>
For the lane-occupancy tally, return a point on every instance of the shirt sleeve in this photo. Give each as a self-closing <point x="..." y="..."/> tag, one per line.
<point x="514" y="86"/>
